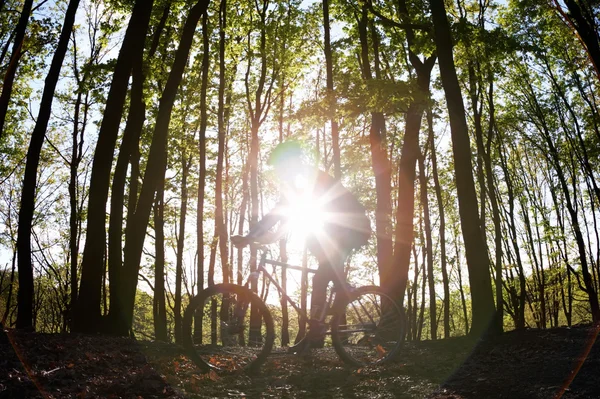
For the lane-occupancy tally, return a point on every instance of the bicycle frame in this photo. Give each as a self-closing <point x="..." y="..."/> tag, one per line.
<point x="262" y="269"/>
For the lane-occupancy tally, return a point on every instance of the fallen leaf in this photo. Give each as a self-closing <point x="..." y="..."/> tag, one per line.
<point x="213" y="375"/>
<point x="382" y="352"/>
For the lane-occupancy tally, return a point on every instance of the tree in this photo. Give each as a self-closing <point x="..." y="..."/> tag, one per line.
<point x="87" y="313"/>
<point x="482" y="302"/>
<point x="9" y="76"/>
<point x="135" y="232"/>
<point x="25" y="293"/>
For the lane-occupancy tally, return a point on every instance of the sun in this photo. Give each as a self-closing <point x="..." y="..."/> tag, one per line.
<point x="305" y="212"/>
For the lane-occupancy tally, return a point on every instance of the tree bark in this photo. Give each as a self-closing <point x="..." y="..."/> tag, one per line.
<point x="429" y="247"/>
<point x="159" y="306"/>
<point x="397" y="277"/>
<point x="129" y="153"/>
<point x="583" y="20"/>
<point x="87" y="314"/>
<point x="379" y="157"/>
<point x="442" y="230"/>
<point x="185" y="167"/>
<point x="478" y="263"/>
<point x="155" y="169"/>
<point x="9" y="76"/>
<point x="25" y="292"/>
<point x="202" y="173"/>
<point x="222" y="131"/>
<point x="331" y="98"/>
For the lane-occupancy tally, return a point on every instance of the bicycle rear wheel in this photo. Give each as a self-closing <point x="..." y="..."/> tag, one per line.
<point x="370" y="328"/>
<point x="227" y="327"/>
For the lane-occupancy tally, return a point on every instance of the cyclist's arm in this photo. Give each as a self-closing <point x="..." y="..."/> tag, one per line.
<point x="269" y="237"/>
<point x="261" y="232"/>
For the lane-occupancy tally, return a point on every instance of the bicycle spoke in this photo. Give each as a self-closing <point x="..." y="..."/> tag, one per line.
<point x="232" y="329"/>
<point x="372" y="331"/>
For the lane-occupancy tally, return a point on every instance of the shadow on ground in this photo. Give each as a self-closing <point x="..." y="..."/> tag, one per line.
<point x="523" y="364"/>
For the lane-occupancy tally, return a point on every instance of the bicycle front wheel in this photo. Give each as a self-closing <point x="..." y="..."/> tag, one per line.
<point x="370" y="328"/>
<point x="227" y="327"/>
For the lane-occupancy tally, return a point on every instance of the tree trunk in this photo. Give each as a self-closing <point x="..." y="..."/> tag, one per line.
<point x="491" y="187"/>
<point x="512" y="232"/>
<point x="460" y="284"/>
<point x="5" y="316"/>
<point x="185" y="166"/>
<point x="211" y="281"/>
<point x="440" y="201"/>
<point x="25" y="292"/>
<point x="87" y="314"/>
<point x="74" y="215"/>
<point x="429" y="246"/>
<point x="9" y="76"/>
<point x="257" y="112"/>
<point x="202" y="174"/>
<point x="222" y="131"/>
<point x="379" y="157"/>
<point x="159" y="306"/>
<point x="482" y="302"/>
<point x="331" y="99"/>
<point x="581" y="16"/>
<point x="129" y="153"/>
<point x="155" y="170"/>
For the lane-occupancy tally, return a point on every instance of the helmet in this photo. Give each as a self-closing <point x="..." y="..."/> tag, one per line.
<point x="290" y="150"/>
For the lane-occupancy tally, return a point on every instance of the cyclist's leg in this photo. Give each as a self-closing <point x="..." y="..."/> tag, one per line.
<point x="340" y="282"/>
<point x="318" y="297"/>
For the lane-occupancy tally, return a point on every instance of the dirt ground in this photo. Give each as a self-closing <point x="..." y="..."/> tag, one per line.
<point x="563" y="362"/>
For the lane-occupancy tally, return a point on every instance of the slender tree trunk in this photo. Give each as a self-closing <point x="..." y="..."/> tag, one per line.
<point x="379" y="156"/>
<point x="155" y="169"/>
<point x="285" y="331"/>
<point x="491" y="187"/>
<point x="9" y="76"/>
<point x="240" y="231"/>
<point x="222" y="132"/>
<point x="159" y="306"/>
<point x="128" y="153"/>
<point x="257" y="112"/>
<point x="331" y="99"/>
<point x="512" y="232"/>
<point x="482" y="302"/>
<point x="185" y="166"/>
<point x="442" y="230"/>
<point x="133" y="128"/>
<point x="5" y="316"/>
<point x="460" y="286"/>
<point x="429" y="247"/>
<point x="73" y="203"/>
<point x="25" y="292"/>
<point x="211" y="282"/>
<point x="202" y="174"/>
<point x="87" y="314"/>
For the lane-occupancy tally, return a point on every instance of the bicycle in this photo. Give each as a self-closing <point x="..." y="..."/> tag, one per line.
<point x="366" y="324"/>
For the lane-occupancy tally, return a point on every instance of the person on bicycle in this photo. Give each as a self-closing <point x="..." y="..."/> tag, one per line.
<point x="344" y="226"/>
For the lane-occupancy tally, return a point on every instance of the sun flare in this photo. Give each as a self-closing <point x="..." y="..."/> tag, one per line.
<point x="305" y="215"/>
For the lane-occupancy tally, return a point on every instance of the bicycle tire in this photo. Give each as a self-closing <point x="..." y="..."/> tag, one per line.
<point x="229" y="351"/>
<point x="374" y="331"/>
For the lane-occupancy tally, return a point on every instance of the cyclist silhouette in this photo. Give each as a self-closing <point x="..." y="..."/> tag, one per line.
<point x="343" y="226"/>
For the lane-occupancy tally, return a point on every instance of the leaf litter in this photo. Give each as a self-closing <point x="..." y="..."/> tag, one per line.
<point x="529" y="363"/>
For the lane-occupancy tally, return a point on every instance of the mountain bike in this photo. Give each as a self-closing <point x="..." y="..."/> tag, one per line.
<point x="365" y="324"/>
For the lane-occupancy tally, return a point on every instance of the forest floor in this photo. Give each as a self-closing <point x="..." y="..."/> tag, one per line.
<point x="520" y="364"/>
